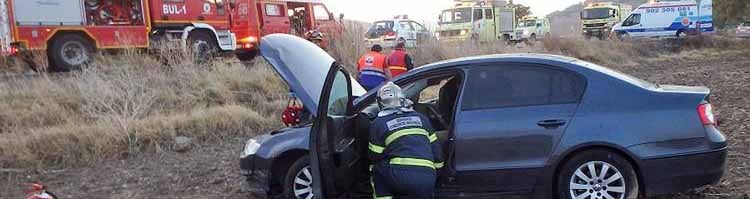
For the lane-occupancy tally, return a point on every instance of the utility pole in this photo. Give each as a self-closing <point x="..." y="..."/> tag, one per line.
<point x="698" y="23"/>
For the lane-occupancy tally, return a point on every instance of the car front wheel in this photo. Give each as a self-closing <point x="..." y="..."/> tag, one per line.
<point x="597" y="174"/>
<point x="298" y="180"/>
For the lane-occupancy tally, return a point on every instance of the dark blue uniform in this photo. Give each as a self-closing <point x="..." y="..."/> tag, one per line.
<point x="405" y="155"/>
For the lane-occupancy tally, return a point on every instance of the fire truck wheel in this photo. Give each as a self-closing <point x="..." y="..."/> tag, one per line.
<point x="69" y="52"/>
<point x="202" y="44"/>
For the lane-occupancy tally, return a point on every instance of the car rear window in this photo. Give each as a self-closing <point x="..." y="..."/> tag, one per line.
<point x="513" y="85"/>
<point x="382" y="25"/>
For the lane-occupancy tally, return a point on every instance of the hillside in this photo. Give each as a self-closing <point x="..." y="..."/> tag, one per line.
<point x="567" y="22"/>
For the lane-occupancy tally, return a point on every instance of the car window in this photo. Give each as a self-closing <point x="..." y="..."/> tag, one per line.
<point x="418" y="26"/>
<point x="339" y="96"/>
<point x="513" y="85"/>
<point x="488" y="13"/>
<point x="477" y="14"/>
<point x="273" y="10"/>
<point x="321" y="13"/>
<point x="405" y="25"/>
<point x="382" y="25"/>
<point x="634" y="19"/>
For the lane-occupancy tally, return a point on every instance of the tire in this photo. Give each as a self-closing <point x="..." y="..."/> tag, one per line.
<point x="623" y="187"/>
<point x="295" y="180"/>
<point x="202" y="45"/>
<point x="69" y="52"/>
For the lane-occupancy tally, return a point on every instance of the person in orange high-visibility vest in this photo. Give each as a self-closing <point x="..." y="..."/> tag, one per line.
<point x="399" y="62"/>
<point x="371" y="68"/>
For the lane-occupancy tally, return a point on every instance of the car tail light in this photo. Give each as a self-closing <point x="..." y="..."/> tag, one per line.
<point x="391" y="34"/>
<point x="706" y="113"/>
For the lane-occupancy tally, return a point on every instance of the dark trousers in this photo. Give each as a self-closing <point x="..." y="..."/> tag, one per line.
<point x="399" y="181"/>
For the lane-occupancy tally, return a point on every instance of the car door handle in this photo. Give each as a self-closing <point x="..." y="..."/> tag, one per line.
<point x="551" y="124"/>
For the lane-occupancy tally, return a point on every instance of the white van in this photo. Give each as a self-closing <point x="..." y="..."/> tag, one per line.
<point x="667" y="19"/>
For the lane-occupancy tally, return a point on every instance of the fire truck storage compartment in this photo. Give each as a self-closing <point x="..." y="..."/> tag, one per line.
<point x="114" y="12"/>
<point x="66" y="12"/>
<point x="79" y="12"/>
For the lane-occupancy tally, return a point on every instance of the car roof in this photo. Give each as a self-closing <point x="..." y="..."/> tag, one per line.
<point x="547" y="59"/>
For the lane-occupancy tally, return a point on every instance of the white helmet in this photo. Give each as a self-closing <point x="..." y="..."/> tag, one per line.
<point x="390" y="96"/>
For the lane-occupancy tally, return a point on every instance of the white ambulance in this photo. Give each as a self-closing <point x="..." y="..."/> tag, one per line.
<point x="662" y="18"/>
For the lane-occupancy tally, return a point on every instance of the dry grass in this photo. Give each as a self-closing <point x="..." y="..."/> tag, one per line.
<point x="130" y="103"/>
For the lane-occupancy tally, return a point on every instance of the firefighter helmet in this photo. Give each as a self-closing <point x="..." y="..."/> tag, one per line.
<point x="390" y="96"/>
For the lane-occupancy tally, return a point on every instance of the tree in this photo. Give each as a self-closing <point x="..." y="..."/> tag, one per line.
<point x="521" y="11"/>
<point x="730" y="12"/>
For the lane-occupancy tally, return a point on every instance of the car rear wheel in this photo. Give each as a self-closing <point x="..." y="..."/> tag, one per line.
<point x="298" y="180"/>
<point x="597" y="174"/>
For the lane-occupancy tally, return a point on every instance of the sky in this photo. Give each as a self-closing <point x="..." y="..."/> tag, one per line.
<point x="422" y="10"/>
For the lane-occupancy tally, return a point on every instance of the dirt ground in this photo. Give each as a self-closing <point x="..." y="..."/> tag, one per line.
<point x="211" y="170"/>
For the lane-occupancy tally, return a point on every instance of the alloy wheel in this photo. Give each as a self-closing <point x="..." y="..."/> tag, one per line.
<point x="303" y="184"/>
<point x="597" y="180"/>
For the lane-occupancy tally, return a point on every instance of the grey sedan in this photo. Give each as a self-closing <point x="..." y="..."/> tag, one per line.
<point x="541" y="126"/>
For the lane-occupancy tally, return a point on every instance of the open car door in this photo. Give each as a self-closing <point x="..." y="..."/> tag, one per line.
<point x="333" y="154"/>
<point x="326" y="91"/>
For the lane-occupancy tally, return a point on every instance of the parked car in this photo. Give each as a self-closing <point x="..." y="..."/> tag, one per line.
<point x="532" y="28"/>
<point x="528" y="124"/>
<point x="387" y="32"/>
<point x="743" y="30"/>
<point x="667" y="19"/>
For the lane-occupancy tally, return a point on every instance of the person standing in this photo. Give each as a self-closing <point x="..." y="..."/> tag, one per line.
<point x="404" y="151"/>
<point x="399" y="61"/>
<point x="371" y="67"/>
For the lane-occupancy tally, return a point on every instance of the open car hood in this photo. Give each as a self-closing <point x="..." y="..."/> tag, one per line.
<point x="302" y="65"/>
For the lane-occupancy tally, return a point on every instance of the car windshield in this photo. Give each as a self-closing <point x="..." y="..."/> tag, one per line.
<point x="527" y="23"/>
<point x="596" y="13"/>
<point x="459" y="15"/>
<point x="745" y="24"/>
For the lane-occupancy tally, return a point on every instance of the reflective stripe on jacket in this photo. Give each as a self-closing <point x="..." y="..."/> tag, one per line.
<point x="372" y="63"/>
<point x="405" y="139"/>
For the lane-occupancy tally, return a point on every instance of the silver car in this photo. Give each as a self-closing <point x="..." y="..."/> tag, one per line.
<point x="387" y="32"/>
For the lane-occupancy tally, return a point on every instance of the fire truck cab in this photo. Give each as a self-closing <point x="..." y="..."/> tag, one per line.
<point x="296" y="17"/>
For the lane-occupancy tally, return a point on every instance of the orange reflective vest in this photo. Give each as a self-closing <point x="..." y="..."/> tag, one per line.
<point x="372" y="63"/>
<point x="397" y="63"/>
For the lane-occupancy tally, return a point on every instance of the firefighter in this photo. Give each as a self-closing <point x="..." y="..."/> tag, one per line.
<point x="316" y="37"/>
<point x="399" y="61"/>
<point x="371" y="67"/>
<point x="404" y="151"/>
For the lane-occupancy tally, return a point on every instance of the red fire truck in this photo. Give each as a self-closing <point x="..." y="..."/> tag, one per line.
<point x="69" y="31"/>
